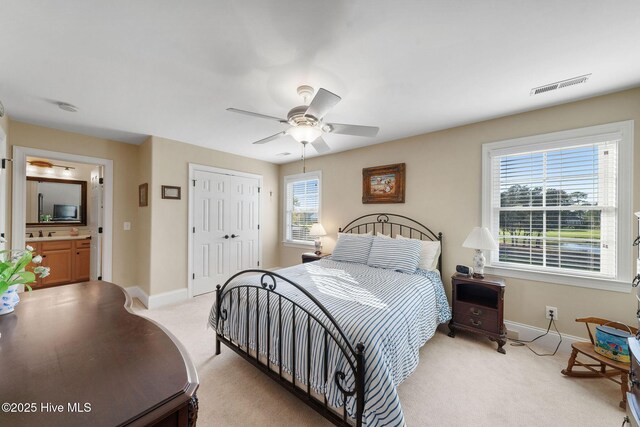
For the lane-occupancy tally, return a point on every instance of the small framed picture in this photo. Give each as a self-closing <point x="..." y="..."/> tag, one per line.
<point x="383" y="184"/>
<point x="143" y="195"/>
<point x="170" y="192"/>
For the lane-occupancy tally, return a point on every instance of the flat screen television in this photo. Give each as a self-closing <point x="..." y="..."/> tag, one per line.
<point x="66" y="213"/>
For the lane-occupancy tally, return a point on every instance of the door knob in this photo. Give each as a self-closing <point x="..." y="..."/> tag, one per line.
<point x="233" y="236"/>
<point x="226" y="236"/>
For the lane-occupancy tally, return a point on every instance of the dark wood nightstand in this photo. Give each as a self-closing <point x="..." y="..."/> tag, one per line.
<point x="310" y="257"/>
<point x="478" y="306"/>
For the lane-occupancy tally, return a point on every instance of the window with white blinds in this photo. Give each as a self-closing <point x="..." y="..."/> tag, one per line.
<point x="302" y="206"/>
<point x="555" y="207"/>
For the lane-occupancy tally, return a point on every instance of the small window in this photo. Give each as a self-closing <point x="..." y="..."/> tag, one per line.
<point x="302" y="207"/>
<point x="558" y="203"/>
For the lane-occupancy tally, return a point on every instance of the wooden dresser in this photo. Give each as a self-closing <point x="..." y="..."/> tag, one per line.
<point x="76" y="355"/>
<point x="633" y="395"/>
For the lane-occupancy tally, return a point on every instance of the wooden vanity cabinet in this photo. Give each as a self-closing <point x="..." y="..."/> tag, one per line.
<point x="57" y="255"/>
<point x="69" y="261"/>
<point x="82" y="260"/>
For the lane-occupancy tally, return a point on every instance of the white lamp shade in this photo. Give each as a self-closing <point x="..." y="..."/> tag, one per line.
<point x="480" y="238"/>
<point x="317" y="230"/>
<point x="303" y="133"/>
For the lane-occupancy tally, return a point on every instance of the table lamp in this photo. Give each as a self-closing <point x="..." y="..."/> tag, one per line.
<point x="317" y="231"/>
<point x="480" y="238"/>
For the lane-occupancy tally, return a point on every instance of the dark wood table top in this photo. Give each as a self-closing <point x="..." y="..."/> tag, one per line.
<point x="79" y="344"/>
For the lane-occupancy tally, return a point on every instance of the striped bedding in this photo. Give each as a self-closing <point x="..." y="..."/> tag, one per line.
<point x="392" y="313"/>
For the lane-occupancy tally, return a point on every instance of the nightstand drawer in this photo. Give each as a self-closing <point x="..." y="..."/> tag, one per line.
<point x="476" y="316"/>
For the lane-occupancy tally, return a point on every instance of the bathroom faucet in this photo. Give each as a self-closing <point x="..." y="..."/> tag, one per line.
<point x="51" y="234"/>
<point x="40" y="233"/>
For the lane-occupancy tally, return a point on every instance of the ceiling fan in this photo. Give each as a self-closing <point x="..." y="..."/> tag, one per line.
<point x="306" y="121"/>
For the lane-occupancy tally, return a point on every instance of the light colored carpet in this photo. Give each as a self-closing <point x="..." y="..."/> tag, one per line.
<point x="459" y="382"/>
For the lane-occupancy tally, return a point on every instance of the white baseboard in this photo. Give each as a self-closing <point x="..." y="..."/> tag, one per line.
<point x="547" y="343"/>
<point x="136" y="292"/>
<point x="168" y="298"/>
<point x="160" y="300"/>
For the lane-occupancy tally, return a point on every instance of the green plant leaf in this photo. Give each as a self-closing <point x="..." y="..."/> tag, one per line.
<point x="3" y="287"/>
<point x="24" y="260"/>
<point x="23" y="277"/>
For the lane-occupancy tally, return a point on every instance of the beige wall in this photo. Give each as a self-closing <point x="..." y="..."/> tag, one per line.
<point x="153" y="254"/>
<point x="143" y="230"/>
<point x="169" y="235"/>
<point x="443" y="191"/>
<point x="125" y="164"/>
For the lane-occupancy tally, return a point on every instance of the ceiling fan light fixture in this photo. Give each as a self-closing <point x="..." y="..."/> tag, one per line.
<point x="303" y="133"/>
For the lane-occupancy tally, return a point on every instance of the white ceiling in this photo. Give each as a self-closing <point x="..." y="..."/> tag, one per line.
<point x="169" y="68"/>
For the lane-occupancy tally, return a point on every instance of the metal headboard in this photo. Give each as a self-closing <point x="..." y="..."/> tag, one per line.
<point x="393" y="224"/>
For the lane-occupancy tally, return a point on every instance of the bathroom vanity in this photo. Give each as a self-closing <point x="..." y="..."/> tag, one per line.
<point x="69" y="258"/>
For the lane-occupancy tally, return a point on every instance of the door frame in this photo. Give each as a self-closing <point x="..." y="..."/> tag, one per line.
<point x="3" y="186"/>
<point x="18" y="202"/>
<point x="193" y="167"/>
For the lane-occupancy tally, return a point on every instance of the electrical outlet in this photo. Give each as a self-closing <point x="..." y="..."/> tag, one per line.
<point x="548" y="310"/>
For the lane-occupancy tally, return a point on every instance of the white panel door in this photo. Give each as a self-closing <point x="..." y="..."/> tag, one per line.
<point x="244" y="214"/>
<point x="95" y="219"/>
<point x="3" y="187"/>
<point x="210" y="235"/>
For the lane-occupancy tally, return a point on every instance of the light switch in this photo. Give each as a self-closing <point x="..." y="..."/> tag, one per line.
<point x="127" y="226"/>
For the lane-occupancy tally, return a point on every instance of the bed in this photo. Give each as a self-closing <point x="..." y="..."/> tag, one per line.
<point x="340" y="335"/>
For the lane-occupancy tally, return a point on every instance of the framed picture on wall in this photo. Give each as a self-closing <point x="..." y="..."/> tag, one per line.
<point x="143" y="195"/>
<point x="383" y="184"/>
<point x="170" y="192"/>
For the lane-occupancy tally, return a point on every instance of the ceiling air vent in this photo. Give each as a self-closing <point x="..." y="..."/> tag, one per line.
<point x="559" y="85"/>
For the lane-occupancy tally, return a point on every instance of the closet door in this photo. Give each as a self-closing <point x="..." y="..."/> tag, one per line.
<point x="244" y="197"/>
<point x="210" y="235"/>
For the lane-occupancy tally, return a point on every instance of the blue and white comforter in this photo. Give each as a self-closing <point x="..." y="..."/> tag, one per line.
<point x="392" y="313"/>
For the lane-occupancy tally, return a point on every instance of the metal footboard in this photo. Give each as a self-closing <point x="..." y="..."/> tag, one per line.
<point x="229" y="298"/>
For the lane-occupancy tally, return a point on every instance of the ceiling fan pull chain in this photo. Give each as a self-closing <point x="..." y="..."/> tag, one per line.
<point x="304" y="159"/>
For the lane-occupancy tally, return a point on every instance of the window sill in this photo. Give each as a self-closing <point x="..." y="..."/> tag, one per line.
<point x="562" y="279"/>
<point x="298" y="244"/>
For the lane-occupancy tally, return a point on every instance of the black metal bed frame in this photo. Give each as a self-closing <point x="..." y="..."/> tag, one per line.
<point x="354" y="355"/>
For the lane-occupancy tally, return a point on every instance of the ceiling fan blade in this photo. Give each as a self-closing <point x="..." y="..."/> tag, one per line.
<point x="270" y="138"/>
<point x="262" y="116"/>
<point x="355" y="130"/>
<point x="320" y="145"/>
<point x="322" y="103"/>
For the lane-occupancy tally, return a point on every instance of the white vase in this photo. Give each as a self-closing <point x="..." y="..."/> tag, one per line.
<point x="9" y="300"/>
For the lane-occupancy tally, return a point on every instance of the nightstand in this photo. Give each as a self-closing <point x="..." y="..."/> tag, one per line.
<point x="478" y="306"/>
<point x="310" y="257"/>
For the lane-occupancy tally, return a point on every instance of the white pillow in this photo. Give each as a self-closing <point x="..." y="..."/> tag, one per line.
<point x="394" y="254"/>
<point x="384" y="236"/>
<point x="428" y="255"/>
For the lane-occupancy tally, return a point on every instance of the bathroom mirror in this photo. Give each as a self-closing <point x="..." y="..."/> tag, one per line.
<point x="56" y="202"/>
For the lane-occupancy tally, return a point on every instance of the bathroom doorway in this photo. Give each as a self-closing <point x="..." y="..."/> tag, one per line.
<point x="62" y="205"/>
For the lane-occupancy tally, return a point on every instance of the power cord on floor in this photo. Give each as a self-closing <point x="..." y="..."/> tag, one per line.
<point x="520" y="343"/>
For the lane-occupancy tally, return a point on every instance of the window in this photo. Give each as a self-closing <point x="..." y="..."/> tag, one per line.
<point x="302" y="207"/>
<point x="560" y="204"/>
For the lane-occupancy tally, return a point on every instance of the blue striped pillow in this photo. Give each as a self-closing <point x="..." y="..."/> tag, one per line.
<point x="352" y="248"/>
<point x="393" y="254"/>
